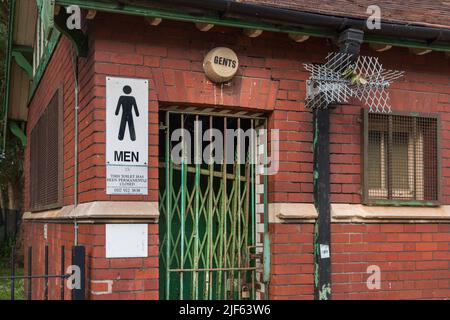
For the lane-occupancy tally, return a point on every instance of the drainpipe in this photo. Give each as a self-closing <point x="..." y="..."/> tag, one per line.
<point x="75" y="138"/>
<point x="231" y="8"/>
<point x="350" y="42"/>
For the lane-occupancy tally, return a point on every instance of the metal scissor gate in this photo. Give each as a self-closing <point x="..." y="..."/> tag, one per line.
<point x="212" y="209"/>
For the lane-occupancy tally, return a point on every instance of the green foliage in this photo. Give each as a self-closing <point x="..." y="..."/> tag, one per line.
<point x="5" y="270"/>
<point x="19" y="287"/>
<point x="5" y="285"/>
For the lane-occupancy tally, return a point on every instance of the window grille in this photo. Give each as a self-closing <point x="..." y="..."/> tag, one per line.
<point x="46" y="152"/>
<point x="401" y="158"/>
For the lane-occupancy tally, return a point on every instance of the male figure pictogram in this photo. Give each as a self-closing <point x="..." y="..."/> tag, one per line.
<point x="128" y="103"/>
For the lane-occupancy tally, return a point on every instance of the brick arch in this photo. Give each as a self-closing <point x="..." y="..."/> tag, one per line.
<point x="189" y="87"/>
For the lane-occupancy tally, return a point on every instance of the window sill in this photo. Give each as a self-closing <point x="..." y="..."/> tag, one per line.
<point x="358" y="213"/>
<point x="292" y="212"/>
<point x="363" y="213"/>
<point x="100" y="210"/>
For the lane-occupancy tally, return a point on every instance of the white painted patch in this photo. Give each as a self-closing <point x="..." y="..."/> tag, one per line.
<point x="109" y="284"/>
<point x="126" y="240"/>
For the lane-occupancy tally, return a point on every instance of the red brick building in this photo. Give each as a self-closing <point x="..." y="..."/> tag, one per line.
<point x="389" y="183"/>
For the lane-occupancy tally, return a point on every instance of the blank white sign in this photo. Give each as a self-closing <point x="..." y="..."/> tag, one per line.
<point x="126" y="241"/>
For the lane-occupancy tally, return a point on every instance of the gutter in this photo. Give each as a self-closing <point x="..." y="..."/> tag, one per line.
<point x="251" y="16"/>
<point x="228" y="8"/>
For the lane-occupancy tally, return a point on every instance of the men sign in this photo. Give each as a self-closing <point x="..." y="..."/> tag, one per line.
<point x="126" y="136"/>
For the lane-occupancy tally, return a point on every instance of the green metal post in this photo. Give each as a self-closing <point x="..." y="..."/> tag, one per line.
<point x="253" y="201"/>
<point x="210" y="221"/>
<point x="239" y="206"/>
<point x="224" y="240"/>
<point x="197" y="211"/>
<point x="266" y="254"/>
<point x="8" y="72"/>
<point x="183" y="207"/>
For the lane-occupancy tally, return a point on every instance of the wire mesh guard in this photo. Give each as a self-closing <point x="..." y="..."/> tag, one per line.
<point x="341" y="78"/>
<point x="402" y="161"/>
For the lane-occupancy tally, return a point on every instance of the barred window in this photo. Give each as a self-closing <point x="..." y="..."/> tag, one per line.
<point x="401" y="161"/>
<point x="46" y="152"/>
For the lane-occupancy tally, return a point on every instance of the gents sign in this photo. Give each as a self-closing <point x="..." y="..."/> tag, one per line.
<point x="221" y="64"/>
<point x="126" y="136"/>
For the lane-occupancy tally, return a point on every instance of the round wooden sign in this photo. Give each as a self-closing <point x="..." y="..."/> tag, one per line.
<point x="221" y="64"/>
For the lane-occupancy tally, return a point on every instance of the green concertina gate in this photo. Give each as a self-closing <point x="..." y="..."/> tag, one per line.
<point x="213" y="227"/>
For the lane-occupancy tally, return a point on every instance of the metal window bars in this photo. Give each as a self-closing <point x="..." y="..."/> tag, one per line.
<point x="401" y="158"/>
<point x="341" y="78"/>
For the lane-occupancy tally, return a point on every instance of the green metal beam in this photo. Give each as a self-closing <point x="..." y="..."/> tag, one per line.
<point x="407" y="43"/>
<point x="45" y="59"/>
<point x="182" y="16"/>
<point x="23" y="62"/>
<point x="12" y="5"/>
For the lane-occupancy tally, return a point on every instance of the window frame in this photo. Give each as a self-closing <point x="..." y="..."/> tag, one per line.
<point x="59" y="93"/>
<point x="366" y="191"/>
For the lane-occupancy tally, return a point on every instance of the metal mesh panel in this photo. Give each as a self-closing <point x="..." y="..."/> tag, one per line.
<point x="341" y="78"/>
<point x="402" y="158"/>
<point x="45" y="160"/>
<point x="209" y="237"/>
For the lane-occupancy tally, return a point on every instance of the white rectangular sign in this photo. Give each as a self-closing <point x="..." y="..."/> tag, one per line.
<point x="126" y="136"/>
<point x="126" y="240"/>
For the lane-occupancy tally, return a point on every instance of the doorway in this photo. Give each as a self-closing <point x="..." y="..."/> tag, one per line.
<point x="212" y="206"/>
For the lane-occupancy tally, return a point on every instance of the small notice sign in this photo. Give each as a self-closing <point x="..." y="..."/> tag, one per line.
<point x="126" y="136"/>
<point x="324" y="251"/>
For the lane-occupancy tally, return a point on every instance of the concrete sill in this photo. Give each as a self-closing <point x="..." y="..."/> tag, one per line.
<point x="101" y="210"/>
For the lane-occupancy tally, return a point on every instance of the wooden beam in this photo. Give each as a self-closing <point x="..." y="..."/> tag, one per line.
<point x="153" y="21"/>
<point x="253" y="33"/>
<point x="298" y="37"/>
<point x="419" y="51"/>
<point x="380" y="47"/>
<point x="91" y="14"/>
<point x="204" y="27"/>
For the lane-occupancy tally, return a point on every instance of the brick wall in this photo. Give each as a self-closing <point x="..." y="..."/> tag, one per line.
<point x="292" y="266"/>
<point x="271" y="79"/>
<point x="135" y="279"/>
<point x="414" y="260"/>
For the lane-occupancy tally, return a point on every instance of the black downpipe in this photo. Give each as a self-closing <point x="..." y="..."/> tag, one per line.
<point x="350" y="42"/>
<point x="322" y="227"/>
<point x="286" y="16"/>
